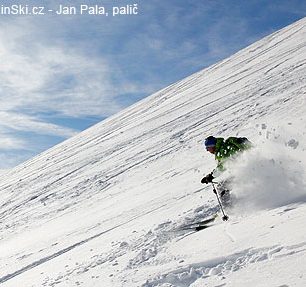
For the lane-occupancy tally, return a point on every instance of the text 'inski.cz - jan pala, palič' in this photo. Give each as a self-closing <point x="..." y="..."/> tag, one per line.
<point x="82" y="9"/>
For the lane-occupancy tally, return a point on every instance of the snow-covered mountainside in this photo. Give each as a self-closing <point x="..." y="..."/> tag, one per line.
<point x="103" y="208"/>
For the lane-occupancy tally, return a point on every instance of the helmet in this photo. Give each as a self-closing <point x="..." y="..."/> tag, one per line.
<point x="210" y="141"/>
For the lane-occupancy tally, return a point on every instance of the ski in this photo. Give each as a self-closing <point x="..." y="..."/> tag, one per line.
<point x="200" y="225"/>
<point x="189" y="229"/>
<point x="192" y="230"/>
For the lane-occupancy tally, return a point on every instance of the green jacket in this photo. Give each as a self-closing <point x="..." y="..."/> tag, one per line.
<point x="229" y="147"/>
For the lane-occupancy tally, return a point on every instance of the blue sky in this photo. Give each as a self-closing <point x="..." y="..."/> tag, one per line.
<point x="60" y="74"/>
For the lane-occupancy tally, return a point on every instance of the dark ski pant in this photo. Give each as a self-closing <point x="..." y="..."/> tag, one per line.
<point x="223" y="189"/>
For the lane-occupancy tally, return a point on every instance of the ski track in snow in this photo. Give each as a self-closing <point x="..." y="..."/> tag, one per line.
<point x="139" y="172"/>
<point x="184" y="277"/>
<point x="147" y="247"/>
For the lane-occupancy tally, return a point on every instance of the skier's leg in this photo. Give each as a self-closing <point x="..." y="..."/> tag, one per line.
<point x="224" y="188"/>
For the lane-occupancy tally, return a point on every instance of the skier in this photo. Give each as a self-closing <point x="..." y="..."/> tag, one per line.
<point x="223" y="150"/>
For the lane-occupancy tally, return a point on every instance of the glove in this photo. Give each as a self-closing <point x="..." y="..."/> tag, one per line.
<point x="207" y="179"/>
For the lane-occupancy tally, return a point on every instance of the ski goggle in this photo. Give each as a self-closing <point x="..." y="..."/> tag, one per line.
<point x="210" y="147"/>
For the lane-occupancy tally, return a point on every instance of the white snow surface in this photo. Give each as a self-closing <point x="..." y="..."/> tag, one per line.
<point x="103" y="208"/>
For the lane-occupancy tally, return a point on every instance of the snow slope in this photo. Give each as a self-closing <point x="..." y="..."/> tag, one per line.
<point x="103" y="208"/>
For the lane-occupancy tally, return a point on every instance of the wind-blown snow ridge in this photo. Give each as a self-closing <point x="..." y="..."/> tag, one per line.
<point x="102" y="208"/>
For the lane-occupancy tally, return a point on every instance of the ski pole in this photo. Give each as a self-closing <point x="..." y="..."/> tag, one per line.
<point x="225" y="217"/>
